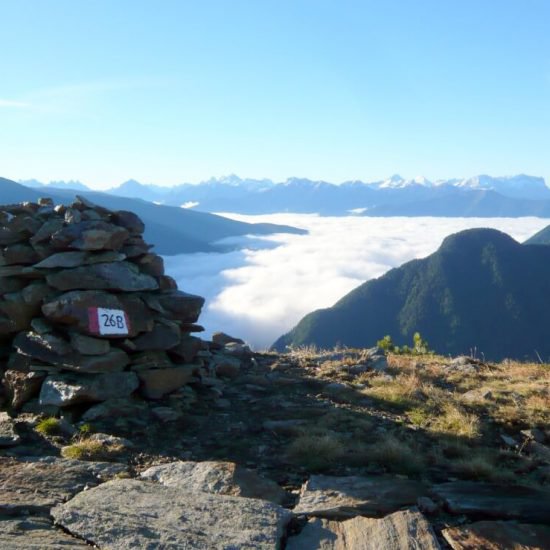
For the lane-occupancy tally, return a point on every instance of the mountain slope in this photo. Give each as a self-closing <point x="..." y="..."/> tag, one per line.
<point x="173" y="230"/>
<point x="542" y="237"/>
<point x="465" y="203"/>
<point x="11" y="192"/>
<point x="74" y="185"/>
<point x="480" y="291"/>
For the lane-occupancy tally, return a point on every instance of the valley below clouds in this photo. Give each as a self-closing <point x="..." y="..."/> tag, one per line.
<point x="261" y="290"/>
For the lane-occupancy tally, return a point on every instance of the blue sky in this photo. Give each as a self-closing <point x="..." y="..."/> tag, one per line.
<point x="172" y="91"/>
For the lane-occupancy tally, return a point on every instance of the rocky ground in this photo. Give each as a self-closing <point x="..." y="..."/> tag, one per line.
<point x="121" y="429"/>
<point x="347" y="449"/>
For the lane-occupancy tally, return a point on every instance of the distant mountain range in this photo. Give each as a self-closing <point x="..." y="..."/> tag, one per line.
<point x="172" y="230"/>
<point x="480" y="292"/>
<point x="485" y="196"/>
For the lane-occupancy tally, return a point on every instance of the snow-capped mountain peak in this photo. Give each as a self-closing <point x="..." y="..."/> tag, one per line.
<point x="398" y="182"/>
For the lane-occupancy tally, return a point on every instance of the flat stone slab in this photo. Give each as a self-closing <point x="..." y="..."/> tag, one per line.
<point x="216" y="477"/>
<point x="495" y="501"/>
<point x="36" y="485"/>
<point x="498" y="535"/>
<point x="35" y="533"/>
<point x="8" y="436"/>
<point x="78" y="258"/>
<point x="123" y="276"/>
<point x="127" y="513"/>
<point x="63" y="390"/>
<point x="346" y="497"/>
<point x="405" y="530"/>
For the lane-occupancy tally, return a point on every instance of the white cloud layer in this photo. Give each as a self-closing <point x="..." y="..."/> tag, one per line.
<point x="259" y="294"/>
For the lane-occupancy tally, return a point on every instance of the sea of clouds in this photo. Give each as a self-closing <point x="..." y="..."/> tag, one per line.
<point x="262" y="290"/>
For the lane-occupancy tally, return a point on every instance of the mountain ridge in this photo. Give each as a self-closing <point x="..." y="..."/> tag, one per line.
<point x="174" y="230"/>
<point x="481" y="290"/>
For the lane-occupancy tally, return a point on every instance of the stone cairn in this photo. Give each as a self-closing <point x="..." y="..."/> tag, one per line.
<point x="87" y="313"/>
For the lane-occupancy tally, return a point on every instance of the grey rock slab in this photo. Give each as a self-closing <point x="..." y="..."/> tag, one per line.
<point x="113" y="361"/>
<point x="345" y="497"/>
<point x="22" y="271"/>
<point x="77" y="258"/>
<point x="157" y="383"/>
<point x="127" y="513"/>
<point x="46" y="230"/>
<point x="130" y="221"/>
<point x="9" y="284"/>
<point x="404" y="530"/>
<point x="45" y="347"/>
<point x="187" y="349"/>
<point x="152" y="264"/>
<point x="498" y="535"/>
<point x="57" y="351"/>
<point x="154" y="359"/>
<point x="117" y="276"/>
<point x="18" y="314"/>
<point x="117" y="408"/>
<point x="87" y="345"/>
<point x="182" y="306"/>
<point x="539" y="451"/>
<point x="8" y="435"/>
<point x="20" y="254"/>
<point x="495" y="501"/>
<point x="226" y="366"/>
<point x="164" y="336"/>
<point x="35" y="533"/>
<point x="63" y="390"/>
<point x="35" y="485"/>
<point x="222" y="339"/>
<point x="217" y="477"/>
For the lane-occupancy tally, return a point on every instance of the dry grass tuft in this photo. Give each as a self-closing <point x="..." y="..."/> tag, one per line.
<point x="92" y="450"/>
<point x="395" y="455"/>
<point x="314" y="452"/>
<point x="49" y="426"/>
<point x="453" y="420"/>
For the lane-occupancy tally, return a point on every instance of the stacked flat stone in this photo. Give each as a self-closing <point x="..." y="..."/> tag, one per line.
<point x="86" y="311"/>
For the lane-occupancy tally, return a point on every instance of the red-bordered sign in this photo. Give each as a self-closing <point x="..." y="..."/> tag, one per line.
<point x="106" y="322"/>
